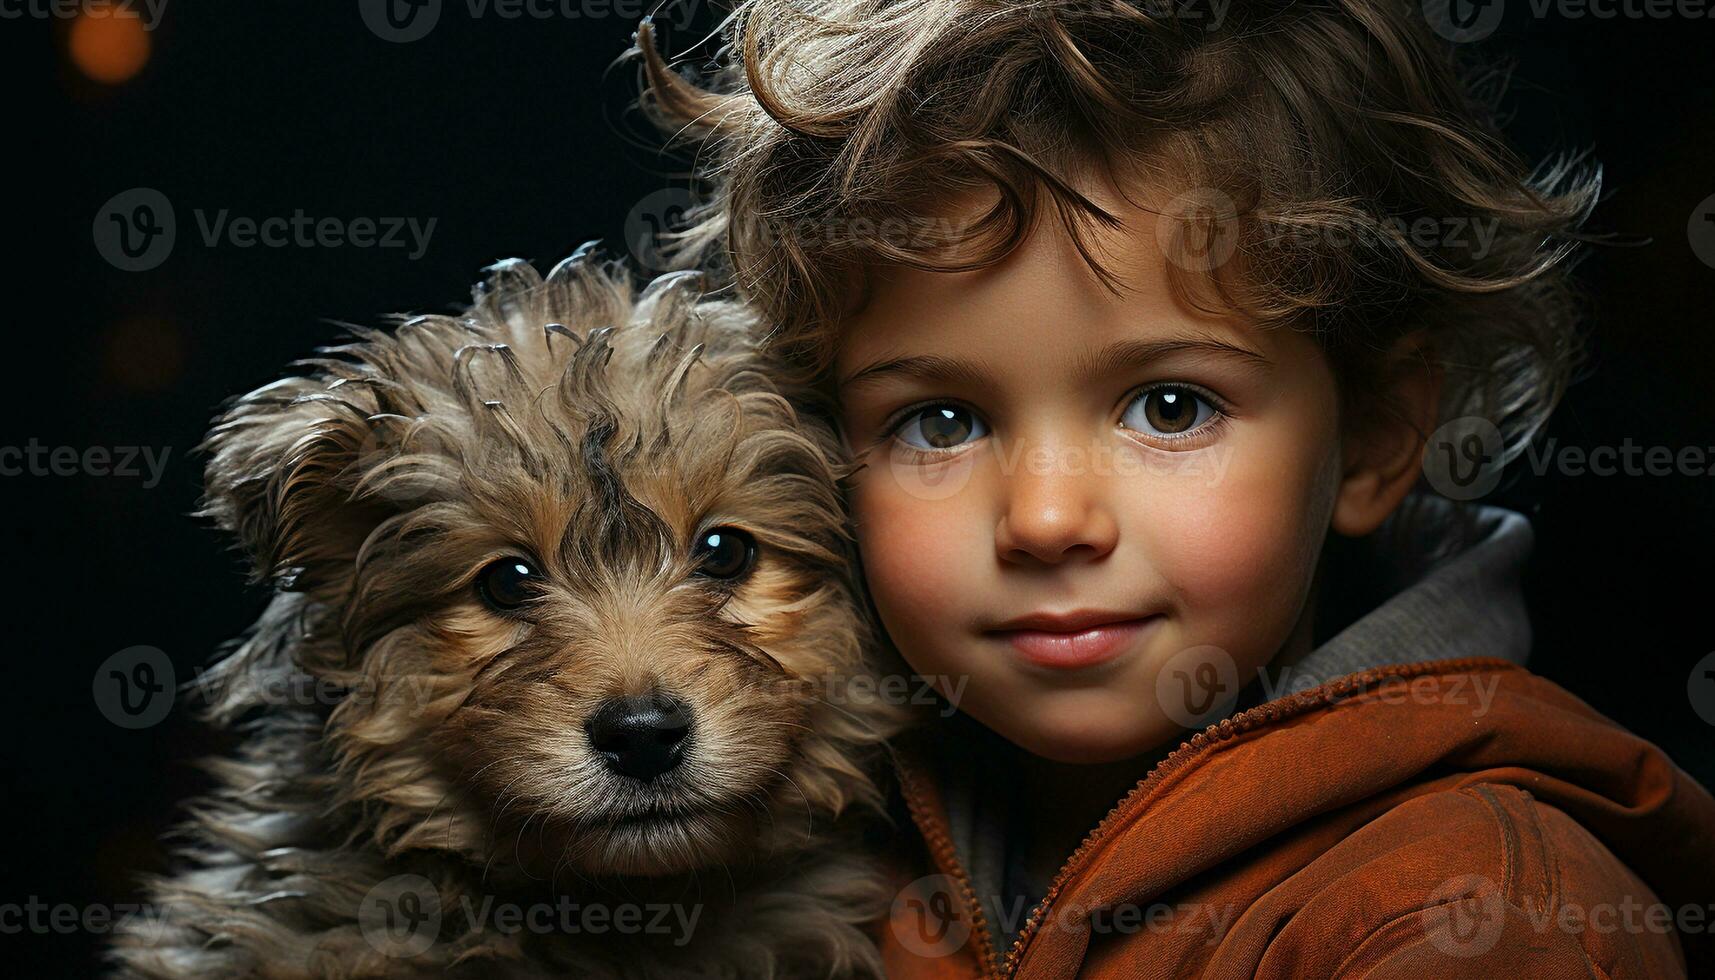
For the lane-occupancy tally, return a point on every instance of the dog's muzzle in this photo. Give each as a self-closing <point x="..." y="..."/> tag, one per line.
<point x="641" y="737"/>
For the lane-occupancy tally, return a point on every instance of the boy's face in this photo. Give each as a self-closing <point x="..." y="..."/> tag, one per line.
<point x="1049" y="447"/>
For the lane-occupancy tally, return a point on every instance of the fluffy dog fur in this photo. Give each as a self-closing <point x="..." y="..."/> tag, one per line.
<point x="395" y="724"/>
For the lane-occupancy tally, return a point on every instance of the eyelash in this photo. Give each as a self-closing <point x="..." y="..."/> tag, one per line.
<point x="897" y="421"/>
<point x="1220" y="416"/>
<point x="1220" y="411"/>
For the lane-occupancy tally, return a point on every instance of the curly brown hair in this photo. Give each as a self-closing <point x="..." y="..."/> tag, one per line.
<point x="1339" y="150"/>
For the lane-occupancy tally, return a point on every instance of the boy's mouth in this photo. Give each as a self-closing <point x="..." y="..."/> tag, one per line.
<point x="1075" y="640"/>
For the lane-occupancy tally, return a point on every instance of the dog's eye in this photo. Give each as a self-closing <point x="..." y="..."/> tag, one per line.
<point x="725" y="553"/>
<point x="508" y="583"/>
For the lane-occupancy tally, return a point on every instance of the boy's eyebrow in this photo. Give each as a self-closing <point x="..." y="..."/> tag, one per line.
<point x="1114" y="357"/>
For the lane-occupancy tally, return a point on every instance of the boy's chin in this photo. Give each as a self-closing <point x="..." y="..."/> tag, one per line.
<point x="1077" y="735"/>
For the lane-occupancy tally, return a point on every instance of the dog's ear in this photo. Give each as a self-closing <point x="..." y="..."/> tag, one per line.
<point x="284" y="471"/>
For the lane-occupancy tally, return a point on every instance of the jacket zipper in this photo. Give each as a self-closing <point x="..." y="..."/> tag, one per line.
<point x="941" y="845"/>
<point x="943" y="853"/>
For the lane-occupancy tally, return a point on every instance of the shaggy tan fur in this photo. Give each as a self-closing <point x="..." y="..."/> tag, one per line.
<point x="395" y="724"/>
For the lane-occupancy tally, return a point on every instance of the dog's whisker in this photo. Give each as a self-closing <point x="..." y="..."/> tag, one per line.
<point x="809" y="810"/>
<point x="451" y="789"/>
<point x="494" y="825"/>
<point x="829" y="704"/>
<point x="517" y="858"/>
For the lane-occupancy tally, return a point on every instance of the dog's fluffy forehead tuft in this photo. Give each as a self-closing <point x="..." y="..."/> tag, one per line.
<point x="577" y="351"/>
<point x="640" y="414"/>
<point x="572" y="413"/>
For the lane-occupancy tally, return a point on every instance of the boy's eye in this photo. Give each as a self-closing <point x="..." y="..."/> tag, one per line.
<point x="508" y="583"/>
<point x="1168" y="411"/>
<point x="940" y="427"/>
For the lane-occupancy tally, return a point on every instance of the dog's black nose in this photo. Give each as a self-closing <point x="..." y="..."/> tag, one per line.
<point x="641" y="737"/>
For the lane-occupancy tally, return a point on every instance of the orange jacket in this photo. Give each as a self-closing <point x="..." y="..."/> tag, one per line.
<point x="1380" y="825"/>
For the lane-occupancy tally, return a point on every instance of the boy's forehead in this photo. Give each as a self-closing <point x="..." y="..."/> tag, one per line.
<point x="1042" y="300"/>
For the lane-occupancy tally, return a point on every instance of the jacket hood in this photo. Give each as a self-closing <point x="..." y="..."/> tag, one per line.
<point x="1470" y="604"/>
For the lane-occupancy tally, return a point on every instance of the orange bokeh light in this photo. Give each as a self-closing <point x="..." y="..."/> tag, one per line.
<point x="108" y="45"/>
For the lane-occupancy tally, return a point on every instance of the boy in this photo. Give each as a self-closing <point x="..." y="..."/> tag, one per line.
<point x="1137" y="319"/>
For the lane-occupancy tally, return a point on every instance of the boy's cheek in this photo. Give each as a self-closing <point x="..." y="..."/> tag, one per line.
<point x="1228" y="546"/>
<point x="913" y="550"/>
<point x="1239" y="556"/>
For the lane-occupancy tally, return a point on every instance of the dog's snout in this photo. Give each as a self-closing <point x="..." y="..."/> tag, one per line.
<point x="641" y="737"/>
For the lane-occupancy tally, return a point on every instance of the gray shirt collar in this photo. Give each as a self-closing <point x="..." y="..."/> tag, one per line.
<point x="1468" y="605"/>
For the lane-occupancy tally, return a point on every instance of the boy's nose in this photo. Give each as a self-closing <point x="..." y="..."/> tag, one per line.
<point x="1052" y="517"/>
<point x="641" y="737"/>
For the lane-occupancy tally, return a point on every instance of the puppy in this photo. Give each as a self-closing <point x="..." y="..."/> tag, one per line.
<point x="549" y="684"/>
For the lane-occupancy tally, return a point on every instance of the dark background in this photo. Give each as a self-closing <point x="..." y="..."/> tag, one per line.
<point x="516" y="138"/>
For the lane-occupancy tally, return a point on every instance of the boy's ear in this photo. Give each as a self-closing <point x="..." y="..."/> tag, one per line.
<point x="1382" y="457"/>
<point x="283" y="474"/>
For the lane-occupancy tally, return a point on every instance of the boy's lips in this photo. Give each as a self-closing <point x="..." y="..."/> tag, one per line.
<point x="1070" y="641"/>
